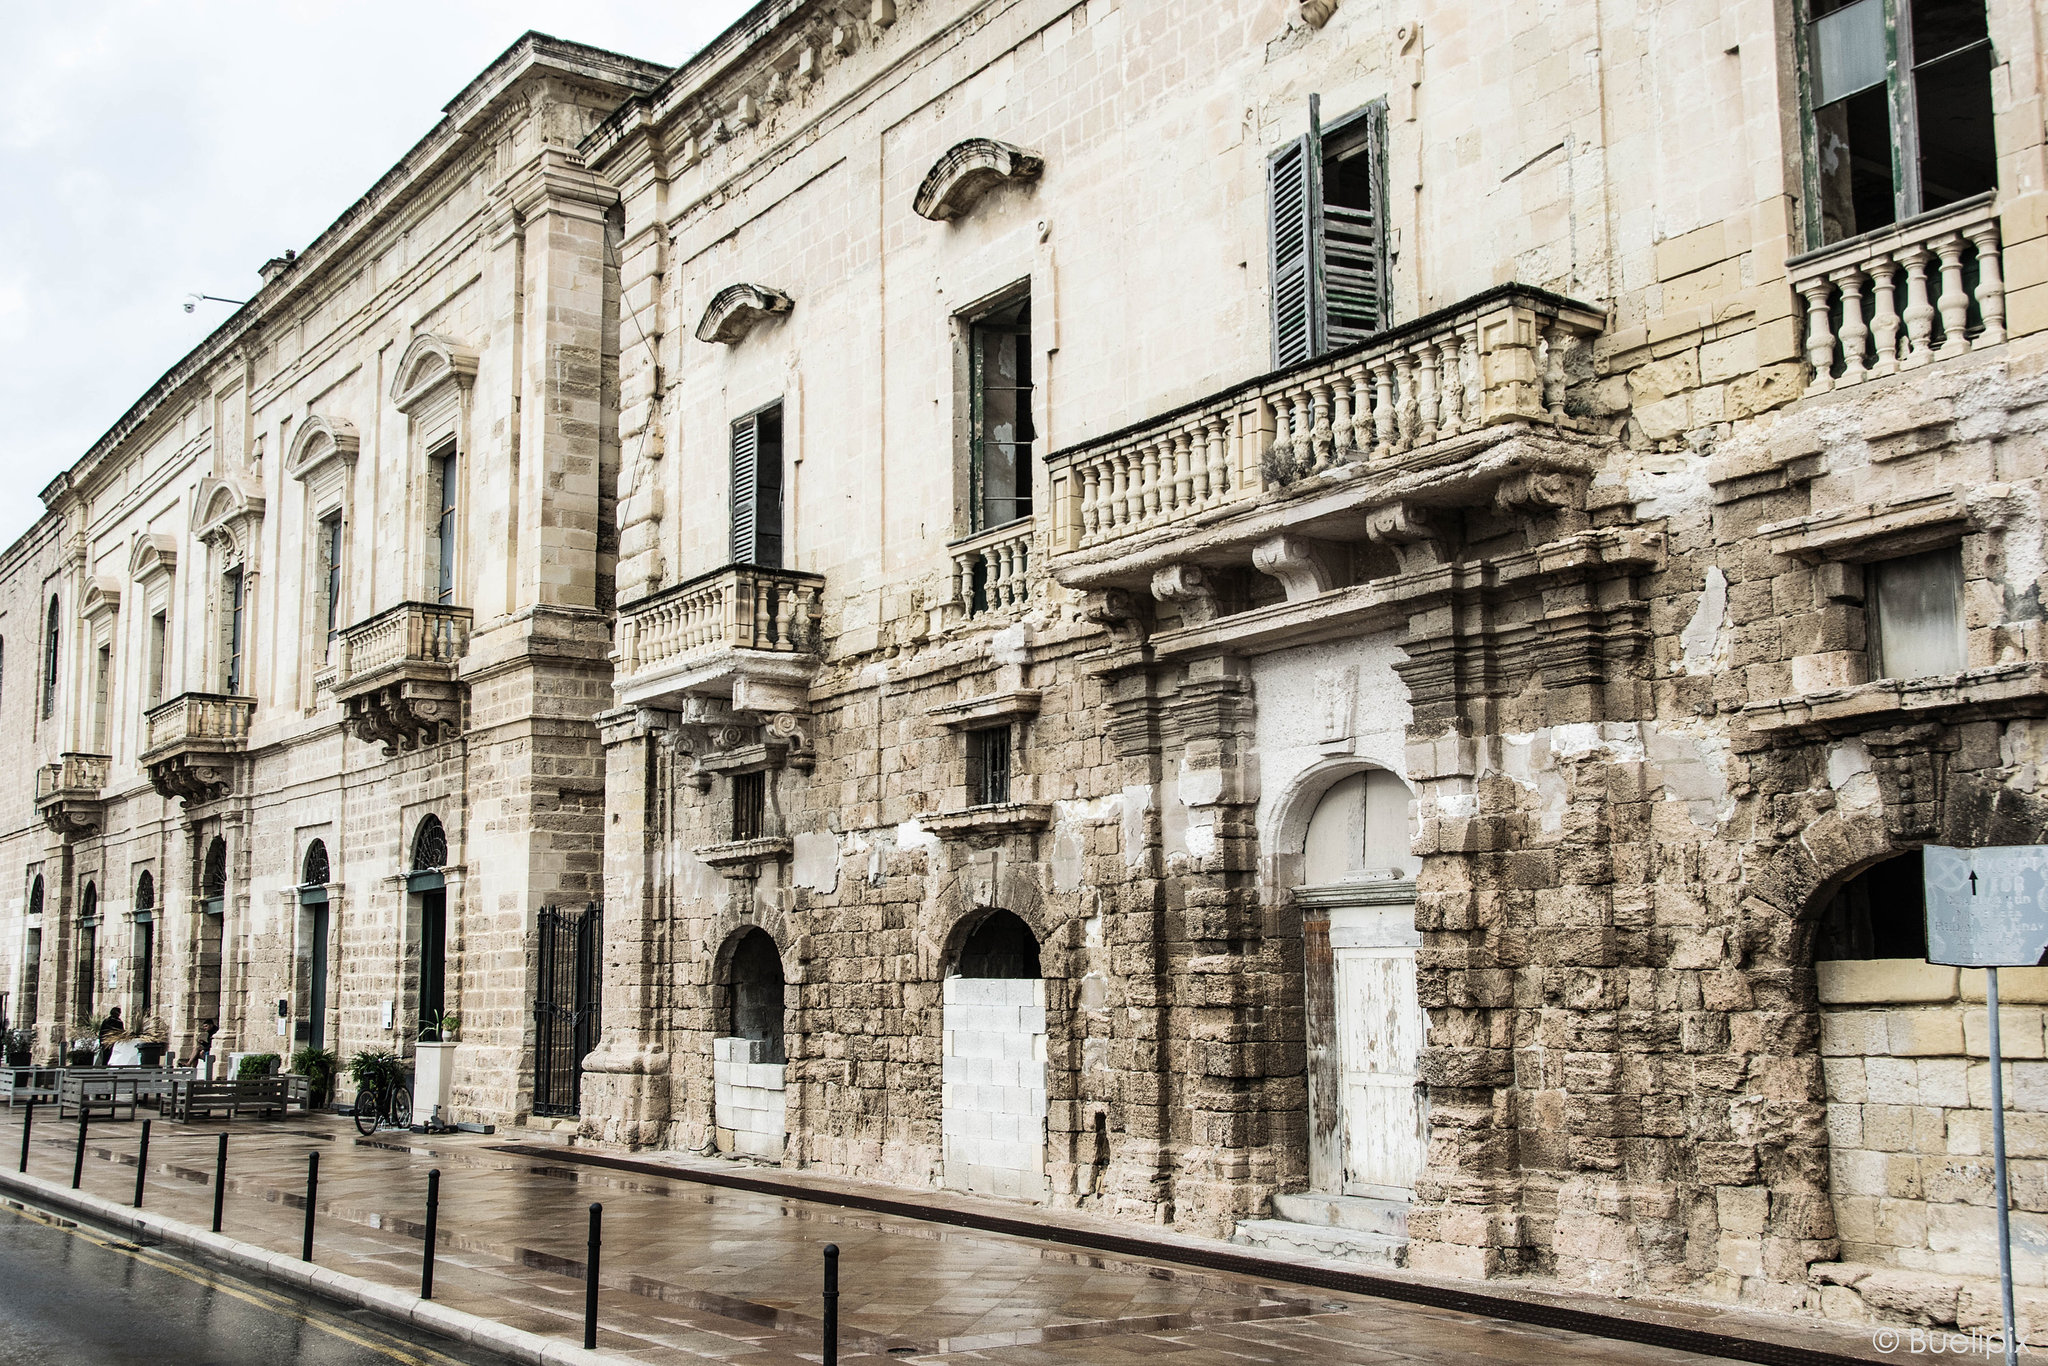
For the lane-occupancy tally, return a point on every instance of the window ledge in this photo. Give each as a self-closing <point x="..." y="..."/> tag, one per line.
<point x="2002" y="689"/>
<point x="743" y="858"/>
<point x="1000" y="818"/>
<point x="975" y="713"/>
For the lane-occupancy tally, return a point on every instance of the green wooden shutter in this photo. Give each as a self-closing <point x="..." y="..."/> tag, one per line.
<point x="1354" y="240"/>
<point x="746" y="468"/>
<point x="1294" y="224"/>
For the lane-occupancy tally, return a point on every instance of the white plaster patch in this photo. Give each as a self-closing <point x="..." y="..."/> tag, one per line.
<point x="1671" y="486"/>
<point x="911" y="834"/>
<point x="1455" y="806"/>
<point x="1704" y="641"/>
<point x="1136" y="802"/>
<point x="1200" y="786"/>
<point x="1850" y="776"/>
<point x="815" y="861"/>
<point x="1201" y="839"/>
<point x="1692" y="767"/>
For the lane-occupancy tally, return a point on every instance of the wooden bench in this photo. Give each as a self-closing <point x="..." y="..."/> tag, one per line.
<point x="96" y="1092"/>
<point x="29" y="1083"/>
<point x="191" y="1099"/>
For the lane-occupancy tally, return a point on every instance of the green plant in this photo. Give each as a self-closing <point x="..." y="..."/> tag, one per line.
<point x="317" y="1066"/>
<point x="376" y="1067"/>
<point x="257" y="1065"/>
<point x="440" y="1028"/>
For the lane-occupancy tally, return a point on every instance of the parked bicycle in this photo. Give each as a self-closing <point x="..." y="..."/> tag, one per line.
<point x="383" y="1102"/>
<point x="381" y="1094"/>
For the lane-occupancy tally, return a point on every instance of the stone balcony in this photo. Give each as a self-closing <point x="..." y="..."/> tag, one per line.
<point x="993" y="574"/>
<point x="743" y="633"/>
<point x="1341" y="477"/>
<point x="1929" y="289"/>
<point x="192" y="743"/>
<point x="395" y="675"/>
<point x="68" y="794"/>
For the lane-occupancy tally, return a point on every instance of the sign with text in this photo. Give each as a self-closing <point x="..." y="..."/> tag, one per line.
<point x="1987" y="908"/>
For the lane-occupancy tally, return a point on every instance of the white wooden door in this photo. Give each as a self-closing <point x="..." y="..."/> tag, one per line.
<point x="1380" y="1026"/>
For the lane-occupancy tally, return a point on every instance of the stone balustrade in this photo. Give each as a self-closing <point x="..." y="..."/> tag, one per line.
<point x="72" y="773"/>
<point x="1497" y="358"/>
<point x="213" y="719"/>
<point x="412" y="633"/>
<point x="1925" y="290"/>
<point x="992" y="571"/>
<point x="739" y="607"/>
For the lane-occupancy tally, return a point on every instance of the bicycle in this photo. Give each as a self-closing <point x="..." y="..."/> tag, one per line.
<point x="379" y="1103"/>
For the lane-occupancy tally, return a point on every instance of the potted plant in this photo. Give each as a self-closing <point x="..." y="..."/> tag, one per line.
<point x="257" y="1065"/>
<point x="152" y="1038"/>
<point x="20" y="1046"/>
<point x="317" y="1066"/>
<point x="84" y="1044"/>
<point x="440" y="1028"/>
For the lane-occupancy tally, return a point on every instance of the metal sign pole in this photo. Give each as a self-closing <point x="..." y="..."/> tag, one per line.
<point x="1998" y="1167"/>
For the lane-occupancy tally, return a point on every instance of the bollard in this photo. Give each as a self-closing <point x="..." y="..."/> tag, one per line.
<point x="590" y="1280"/>
<point x="220" y="1181"/>
<point x="312" y="1193"/>
<point x="433" y="1218"/>
<point x="78" y="1162"/>
<point x="831" y="1304"/>
<point x="27" y="1123"/>
<point x="141" y="1163"/>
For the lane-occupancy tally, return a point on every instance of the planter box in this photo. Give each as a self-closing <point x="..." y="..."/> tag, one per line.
<point x="433" y="1080"/>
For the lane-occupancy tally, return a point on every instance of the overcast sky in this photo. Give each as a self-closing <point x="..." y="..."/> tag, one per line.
<point x="151" y="150"/>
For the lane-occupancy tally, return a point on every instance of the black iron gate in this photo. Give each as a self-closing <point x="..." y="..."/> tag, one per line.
<point x="565" y="1006"/>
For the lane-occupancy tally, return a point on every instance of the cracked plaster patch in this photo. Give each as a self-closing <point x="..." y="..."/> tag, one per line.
<point x="1704" y="641"/>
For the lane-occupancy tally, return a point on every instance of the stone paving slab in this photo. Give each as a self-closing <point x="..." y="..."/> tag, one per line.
<point x="694" y="1272"/>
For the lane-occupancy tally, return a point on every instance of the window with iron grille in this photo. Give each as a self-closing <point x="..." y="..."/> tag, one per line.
<point x="1898" y="110"/>
<point x="441" y="556"/>
<point x="757" y="489"/>
<point x="159" y="645"/>
<point x="988" y="765"/>
<point x="749" y="805"/>
<point x="1000" y="433"/>
<point x="330" y="573"/>
<point x="1326" y="196"/>
<point x="231" y="633"/>
<point x="50" y="663"/>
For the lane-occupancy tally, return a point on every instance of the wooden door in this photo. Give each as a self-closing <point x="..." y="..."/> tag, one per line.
<point x="1380" y="1027"/>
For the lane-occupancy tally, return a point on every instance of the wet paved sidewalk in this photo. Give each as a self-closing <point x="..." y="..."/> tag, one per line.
<point x="693" y="1272"/>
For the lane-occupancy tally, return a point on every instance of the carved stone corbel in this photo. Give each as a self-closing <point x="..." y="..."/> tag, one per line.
<point x="1114" y="610"/>
<point x="1316" y="13"/>
<point x="1187" y="585"/>
<point x="1297" y="563"/>
<point x="1542" y="493"/>
<point x="1911" y="766"/>
<point x="1405" y="528"/>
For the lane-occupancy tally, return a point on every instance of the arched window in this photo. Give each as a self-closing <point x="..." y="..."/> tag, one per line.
<point x="429" y="845"/>
<point x="754" y="1005"/>
<point x="87" y="959"/>
<point x="144" y="942"/>
<point x="213" y="881"/>
<point x="35" y="898"/>
<point x="314" y="872"/>
<point x="1359" y="831"/>
<point x="50" y="663"/>
<point x="145" y="893"/>
<point x="1000" y="946"/>
<point x="1879" y="913"/>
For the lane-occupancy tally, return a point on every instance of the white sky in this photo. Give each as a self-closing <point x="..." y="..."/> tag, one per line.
<point x="149" y="150"/>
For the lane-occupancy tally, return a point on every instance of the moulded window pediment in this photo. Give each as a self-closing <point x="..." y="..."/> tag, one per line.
<point x="737" y="310"/>
<point x="319" y="443"/>
<point x="227" y="514"/>
<point x="153" y="554"/>
<point x="970" y="170"/>
<point x="429" y="363"/>
<point x="102" y="597"/>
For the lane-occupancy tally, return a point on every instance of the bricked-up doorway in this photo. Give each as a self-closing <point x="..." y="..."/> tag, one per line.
<point x="1368" y="1125"/>
<point x="993" y="1117"/>
<point x="747" y="1069"/>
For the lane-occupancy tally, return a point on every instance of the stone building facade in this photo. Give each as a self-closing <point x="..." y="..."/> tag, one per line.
<point x="1314" y="624"/>
<point x="307" y="650"/>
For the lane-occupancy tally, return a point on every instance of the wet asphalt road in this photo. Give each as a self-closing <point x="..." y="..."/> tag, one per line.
<point x="77" y="1296"/>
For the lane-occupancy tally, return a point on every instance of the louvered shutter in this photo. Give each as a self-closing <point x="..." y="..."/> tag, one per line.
<point x="1355" y="245"/>
<point x="746" y="469"/>
<point x="1293" y="204"/>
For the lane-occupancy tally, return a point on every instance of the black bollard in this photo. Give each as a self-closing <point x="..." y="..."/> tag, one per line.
<point x="78" y="1162"/>
<point x="27" y="1123"/>
<point x="590" y="1280"/>
<point x="433" y="1219"/>
<point x="141" y="1163"/>
<point x="312" y="1194"/>
<point x="831" y="1304"/>
<point x="220" y="1181"/>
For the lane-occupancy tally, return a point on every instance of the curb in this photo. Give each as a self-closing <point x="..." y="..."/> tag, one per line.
<point x="516" y="1344"/>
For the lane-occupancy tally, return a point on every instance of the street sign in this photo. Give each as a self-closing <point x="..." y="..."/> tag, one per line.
<point x="1987" y="908"/>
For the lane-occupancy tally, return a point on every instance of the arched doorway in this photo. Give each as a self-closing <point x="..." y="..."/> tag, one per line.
<point x="993" y="1105"/>
<point x="86" y="960"/>
<point x="427" y="887"/>
<point x="208" y="936"/>
<point x="144" y="943"/>
<point x="311" y="973"/>
<point x="1367" y="1126"/>
<point x="748" y="1061"/>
